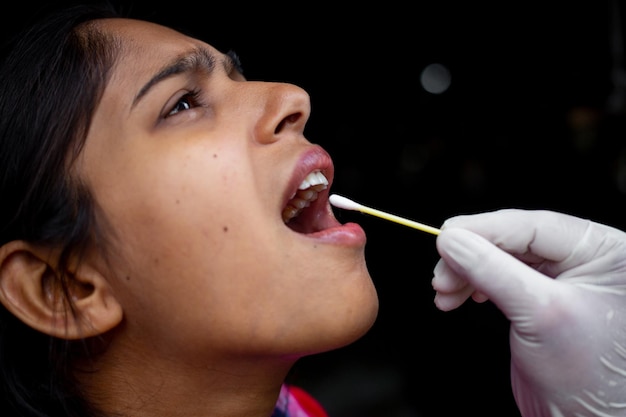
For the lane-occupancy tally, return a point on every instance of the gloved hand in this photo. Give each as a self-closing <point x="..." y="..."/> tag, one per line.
<point x="561" y="281"/>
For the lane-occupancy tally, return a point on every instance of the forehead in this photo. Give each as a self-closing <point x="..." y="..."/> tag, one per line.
<point x="143" y="40"/>
<point x="142" y="34"/>
<point x="145" y="47"/>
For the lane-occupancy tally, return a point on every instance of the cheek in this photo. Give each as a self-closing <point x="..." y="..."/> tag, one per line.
<point x="161" y="184"/>
<point x="177" y="209"/>
<point x="187" y="230"/>
<point x="173" y="201"/>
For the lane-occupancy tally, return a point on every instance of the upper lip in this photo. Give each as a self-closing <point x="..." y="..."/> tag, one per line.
<point x="314" y="159"/>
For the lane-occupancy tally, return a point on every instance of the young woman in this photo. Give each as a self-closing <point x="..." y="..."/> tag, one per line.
<point x="167" y="247"/>
<point x="166" y="243"/>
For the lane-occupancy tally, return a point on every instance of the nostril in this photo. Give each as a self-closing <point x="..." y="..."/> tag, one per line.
<point x="289" y="120"/>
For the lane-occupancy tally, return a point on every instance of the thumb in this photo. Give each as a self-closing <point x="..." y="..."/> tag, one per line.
<point x="510" y="284"/>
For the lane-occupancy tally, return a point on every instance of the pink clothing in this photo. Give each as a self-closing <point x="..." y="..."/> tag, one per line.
<point x="295" y="402"/>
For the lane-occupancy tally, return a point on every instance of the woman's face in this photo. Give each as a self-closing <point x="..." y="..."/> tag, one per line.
<point x="193" y="168"/>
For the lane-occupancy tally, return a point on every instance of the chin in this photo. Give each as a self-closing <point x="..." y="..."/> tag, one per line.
<point x="353" y="323"/>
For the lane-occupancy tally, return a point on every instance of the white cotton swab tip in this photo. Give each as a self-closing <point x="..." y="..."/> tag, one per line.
<point x="347" y="204"/>
<point x="343" y="202"/>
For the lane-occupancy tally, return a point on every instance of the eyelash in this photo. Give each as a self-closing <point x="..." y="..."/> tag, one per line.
<point x="193" y="100"/>
<point x="193" y="96"/>
<point x="236" y="60"/>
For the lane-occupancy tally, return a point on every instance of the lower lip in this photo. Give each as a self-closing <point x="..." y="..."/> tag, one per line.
<point x="349" y="234"/>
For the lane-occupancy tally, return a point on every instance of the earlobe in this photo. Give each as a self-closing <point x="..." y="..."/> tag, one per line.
<point x="30" y="288"/>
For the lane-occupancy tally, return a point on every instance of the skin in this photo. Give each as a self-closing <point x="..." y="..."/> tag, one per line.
<point x="218" y="296"/>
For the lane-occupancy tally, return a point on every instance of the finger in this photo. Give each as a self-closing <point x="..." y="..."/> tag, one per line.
<point x="446" y="281"/>
<point x="512" y="285"/>
<point x="479" y="297"/>
<point x="548" y="235"/>
<point x="451" y="289"/>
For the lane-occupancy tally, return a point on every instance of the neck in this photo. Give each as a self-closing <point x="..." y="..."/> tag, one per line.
<point x="144" y="382"/>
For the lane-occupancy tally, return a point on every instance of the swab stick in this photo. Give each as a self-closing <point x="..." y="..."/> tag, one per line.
<point x="347" y="204"/>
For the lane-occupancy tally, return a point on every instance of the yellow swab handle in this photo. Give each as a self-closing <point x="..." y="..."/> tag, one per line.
<point x="400" y="220"/>
<point x="347" y="204"/>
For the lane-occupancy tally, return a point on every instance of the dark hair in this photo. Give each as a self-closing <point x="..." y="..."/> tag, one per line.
<point x="51" y="79"/>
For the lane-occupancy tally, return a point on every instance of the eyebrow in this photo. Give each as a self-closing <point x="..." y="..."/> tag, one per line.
<point x="196" y="60"/>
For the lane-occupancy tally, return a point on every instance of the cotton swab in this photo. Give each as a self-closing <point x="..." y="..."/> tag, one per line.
<point x="347" y="204"/>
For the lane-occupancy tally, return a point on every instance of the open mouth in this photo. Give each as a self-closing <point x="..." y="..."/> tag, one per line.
<point x="298" y="213"/>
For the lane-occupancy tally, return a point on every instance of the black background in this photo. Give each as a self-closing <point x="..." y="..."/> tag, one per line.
<point x="533" y="118"/>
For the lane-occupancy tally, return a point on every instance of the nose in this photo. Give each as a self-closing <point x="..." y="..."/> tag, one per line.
<point x="284" y="111"/>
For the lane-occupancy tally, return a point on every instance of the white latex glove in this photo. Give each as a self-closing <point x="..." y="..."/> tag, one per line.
<point x="561" y="281"/>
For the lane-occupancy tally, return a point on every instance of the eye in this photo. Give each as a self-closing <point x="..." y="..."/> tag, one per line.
<point x="186" y="102"/>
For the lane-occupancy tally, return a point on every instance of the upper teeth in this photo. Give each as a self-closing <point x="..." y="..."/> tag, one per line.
<point x="307" y="192"/>
<point x="314" y="178"/>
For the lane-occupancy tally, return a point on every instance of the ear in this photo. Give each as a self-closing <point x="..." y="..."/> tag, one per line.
<point x="30" y="288"/>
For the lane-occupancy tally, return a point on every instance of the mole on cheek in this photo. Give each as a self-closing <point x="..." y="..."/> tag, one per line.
<point x="225" y="229"/>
